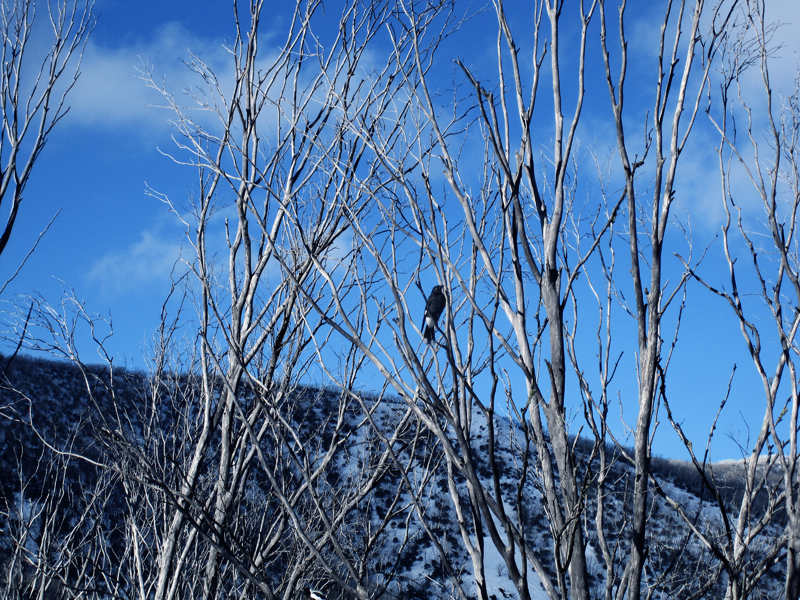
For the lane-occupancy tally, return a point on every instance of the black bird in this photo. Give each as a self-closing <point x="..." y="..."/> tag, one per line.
<point x="433" y="310"/>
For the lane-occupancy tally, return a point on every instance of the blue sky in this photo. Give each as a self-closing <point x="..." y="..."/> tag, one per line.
<point x="115" y="245"/>
<point x="112" y="243"/>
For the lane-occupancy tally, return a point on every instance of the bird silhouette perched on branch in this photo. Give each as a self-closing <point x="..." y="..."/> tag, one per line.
<point x="434" y="308"/>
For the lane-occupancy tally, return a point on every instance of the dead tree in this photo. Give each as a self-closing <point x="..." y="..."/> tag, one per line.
<point x="501" y="241"/>
<point x="762" y="146"/>
<point x="648" y="231"/>
<point x="235" y="479"/>
<point x="34" y="87"/>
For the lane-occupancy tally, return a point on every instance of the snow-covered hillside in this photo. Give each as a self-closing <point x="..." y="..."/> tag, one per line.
<point x="90" y="489"/>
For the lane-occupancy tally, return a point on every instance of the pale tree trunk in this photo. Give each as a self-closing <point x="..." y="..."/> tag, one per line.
<point x="652" y="298"/>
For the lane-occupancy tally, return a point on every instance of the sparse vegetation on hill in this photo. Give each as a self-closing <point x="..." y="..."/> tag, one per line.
<point x="81" y="513"/>
<point x="345" y="163"/>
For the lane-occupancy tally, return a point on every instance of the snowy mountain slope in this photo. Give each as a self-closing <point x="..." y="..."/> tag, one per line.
<point x="46" y="407"/>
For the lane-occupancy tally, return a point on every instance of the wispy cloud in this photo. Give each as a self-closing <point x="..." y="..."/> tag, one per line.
<point x="110" y="91"/>
<point x="144" y="263"/>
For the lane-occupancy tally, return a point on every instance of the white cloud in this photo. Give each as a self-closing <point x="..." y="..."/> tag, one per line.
<point x="148" y="261"/>
<point x="110" y="91"/>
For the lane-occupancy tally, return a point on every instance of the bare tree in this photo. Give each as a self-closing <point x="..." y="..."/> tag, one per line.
<point x="761" y="146"/>
<point x="506" y="287"/>
<point x="504" y="242"/>
<point x="331" y="195"/>
<point x="34" y="86"/>
<point x="265" y="194"/>
<point x="241" y="473"/>
<point x="647" y="233"/>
